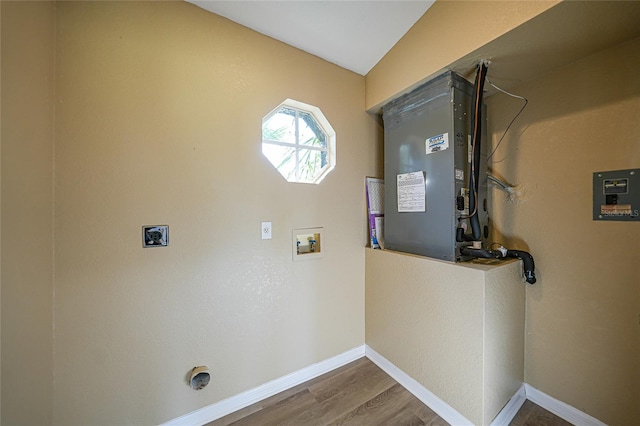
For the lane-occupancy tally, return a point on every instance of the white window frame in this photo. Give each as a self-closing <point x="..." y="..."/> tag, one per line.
<point x="297" y="146"/>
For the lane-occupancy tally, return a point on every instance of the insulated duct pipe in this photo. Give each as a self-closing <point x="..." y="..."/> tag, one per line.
<point x="476" y="141"/>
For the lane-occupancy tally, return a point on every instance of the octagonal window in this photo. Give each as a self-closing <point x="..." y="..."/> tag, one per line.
<point x="299" y="141"/>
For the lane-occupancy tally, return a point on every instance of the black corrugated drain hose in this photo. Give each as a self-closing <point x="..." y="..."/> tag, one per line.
<point x="529" y="266"/>
<point x="527" y="260"/>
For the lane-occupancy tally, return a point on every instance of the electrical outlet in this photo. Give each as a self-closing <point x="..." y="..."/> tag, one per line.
<point x="266" y="230"/>
<point x="155" y="236"/>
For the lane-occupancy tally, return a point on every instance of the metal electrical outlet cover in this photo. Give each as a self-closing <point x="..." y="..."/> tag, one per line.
<point x="616" y="195"/>
<point x="155" y="236"/>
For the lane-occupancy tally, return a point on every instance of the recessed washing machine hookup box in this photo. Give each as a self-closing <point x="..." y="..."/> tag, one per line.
<point x="616" y="195"/>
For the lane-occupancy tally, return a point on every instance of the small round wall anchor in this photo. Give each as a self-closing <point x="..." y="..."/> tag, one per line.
<point x="199" y="377"/>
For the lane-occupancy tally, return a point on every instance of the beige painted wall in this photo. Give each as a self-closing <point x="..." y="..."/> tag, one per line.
<point x="504" y="330"/>
<point x="583" y="339"/>
<point x="583" y="336"/>
<point x="165" y="83"/>
<point x="457" y="329"/>
<point x="159" y="122"/>
<point x="448" y="31"/>
<point x="27" y="203"/>
<point x="0" y="217"/>
<point x="420" y="315"/>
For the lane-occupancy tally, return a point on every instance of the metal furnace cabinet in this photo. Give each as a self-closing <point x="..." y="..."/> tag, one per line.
<point x="427" y="133"/>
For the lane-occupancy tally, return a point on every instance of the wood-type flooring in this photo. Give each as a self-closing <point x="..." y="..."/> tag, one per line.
<point x="359" y="393"/>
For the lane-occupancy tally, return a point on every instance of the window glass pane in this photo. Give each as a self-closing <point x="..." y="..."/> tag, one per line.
<point x="310" y="131"/>
<point x="310" y="164"/>
<point x="298" y="141"/>
<point x="280" y="126"/>
<point x="283" y="158"/>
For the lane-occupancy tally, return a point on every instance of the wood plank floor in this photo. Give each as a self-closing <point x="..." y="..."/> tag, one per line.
<point x="359" y="393"/>
<point x="531" y="414"/>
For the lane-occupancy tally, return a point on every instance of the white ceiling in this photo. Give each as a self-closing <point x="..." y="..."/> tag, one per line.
<point x="352" y="34"/>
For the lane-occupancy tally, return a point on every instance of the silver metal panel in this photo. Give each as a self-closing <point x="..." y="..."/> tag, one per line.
<point x="616" y="195"/>
<point x="442" y="106"/>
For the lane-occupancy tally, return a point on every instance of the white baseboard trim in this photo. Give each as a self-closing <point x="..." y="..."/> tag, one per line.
<point x="444" y="410"/>
<point x="560" y="409"/>
<point x="440" y="407"/>
<point x="227" y="406"/>
<point x="509" y="411"/>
